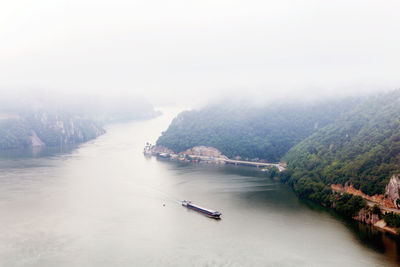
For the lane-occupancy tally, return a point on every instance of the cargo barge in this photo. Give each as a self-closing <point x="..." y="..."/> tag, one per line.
<point x="210" y="213"/>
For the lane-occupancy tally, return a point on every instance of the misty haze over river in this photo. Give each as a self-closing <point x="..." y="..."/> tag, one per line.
<point x="101" y="204"/>
<point x="309" y="89"/>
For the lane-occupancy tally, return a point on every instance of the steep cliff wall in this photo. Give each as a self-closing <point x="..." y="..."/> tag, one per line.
<point x="392" y="190"/>
<point x="60" y="129"/>
<point x="43" y="128"/>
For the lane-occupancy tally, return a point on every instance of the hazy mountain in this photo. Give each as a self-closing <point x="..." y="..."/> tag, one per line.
<point x="27" y="120"/>
<point x="249" y="131"/>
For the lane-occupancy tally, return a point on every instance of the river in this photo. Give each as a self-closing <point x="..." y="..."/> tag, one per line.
<point x="103" y="203"/>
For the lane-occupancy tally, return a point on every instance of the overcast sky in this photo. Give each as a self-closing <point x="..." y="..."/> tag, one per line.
<point x="183" y="50"/>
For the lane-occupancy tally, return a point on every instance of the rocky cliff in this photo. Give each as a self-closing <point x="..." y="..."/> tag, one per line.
<point x="367" y="216"/>
<point x="60" y="129"/>
<point x="42" y="128"/>
<point x="392" y="191"/>
<point x="379" y="199"/>
<point x="391" y="198"/>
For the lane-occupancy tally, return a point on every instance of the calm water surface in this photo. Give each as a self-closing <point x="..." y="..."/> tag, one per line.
<point x="101" y="204"/>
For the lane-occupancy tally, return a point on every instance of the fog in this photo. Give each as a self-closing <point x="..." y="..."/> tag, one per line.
<point x="189" y="52"/>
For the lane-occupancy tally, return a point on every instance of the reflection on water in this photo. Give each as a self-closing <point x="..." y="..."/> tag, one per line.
<point x="104" y="204"/>
<point x="377" y="240"/>
<point x="37" y="152"/>
<point x="367" y="235"/>
<point x="257" y="191"/>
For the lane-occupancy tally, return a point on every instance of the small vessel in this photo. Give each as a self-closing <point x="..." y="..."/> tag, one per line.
<point x="210" y="213"/>
<point x="147" y="149"/>
<point x="163" y="155"/>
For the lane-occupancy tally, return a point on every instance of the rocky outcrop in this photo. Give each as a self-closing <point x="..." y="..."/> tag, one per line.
<point x="382" y="200"/>
<point x="391" y="198"/>
<point x="54" y="129"/>
<point x="366" y="216"/>
<point x="381" y="224"/>
<point x="392" y="190"/>
<point x="36" y="142"/>
<point x="41" y="128"/>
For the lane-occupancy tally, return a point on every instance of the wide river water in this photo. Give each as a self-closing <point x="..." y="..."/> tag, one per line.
<point x="104" y="204"/>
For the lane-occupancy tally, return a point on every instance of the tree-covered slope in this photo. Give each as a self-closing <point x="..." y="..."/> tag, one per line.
<point x="266" y="132"/>
<point x="362" y="148"/>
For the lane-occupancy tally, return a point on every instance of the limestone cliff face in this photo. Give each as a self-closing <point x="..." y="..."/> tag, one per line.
<point x="40" y="128"/>
<point x="59" y="129"/>
<point x="392" y="190"/>
<point x="366" y="216"/>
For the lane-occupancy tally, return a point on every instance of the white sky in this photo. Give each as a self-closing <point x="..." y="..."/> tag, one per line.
<point x="189" y="51"/>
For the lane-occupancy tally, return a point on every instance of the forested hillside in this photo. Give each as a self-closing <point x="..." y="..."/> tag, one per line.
<point x="266" y="132"/>
<point x="361" y="148"/>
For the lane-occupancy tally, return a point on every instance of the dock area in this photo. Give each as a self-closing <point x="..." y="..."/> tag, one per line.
<point x="220" y="159"/>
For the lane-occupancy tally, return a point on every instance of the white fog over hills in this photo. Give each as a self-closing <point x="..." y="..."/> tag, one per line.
<point x="199" y="133"/>
<point x="186" y="51"/>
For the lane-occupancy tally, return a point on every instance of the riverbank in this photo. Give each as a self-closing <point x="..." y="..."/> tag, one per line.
<point x="214" y="156"/>
<point x="103" y="203"/>
<point x="368" y="217"/>
<point x="205" y="154"/>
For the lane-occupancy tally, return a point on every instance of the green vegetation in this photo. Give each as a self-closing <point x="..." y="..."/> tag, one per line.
<point x="361" y="148"/>
<point x="251" y="132"/>
<point x="392" y="219"/>
<point x="377" y="210"/>
<point x="348" y="205"/>
<point x="345" y="204"/>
